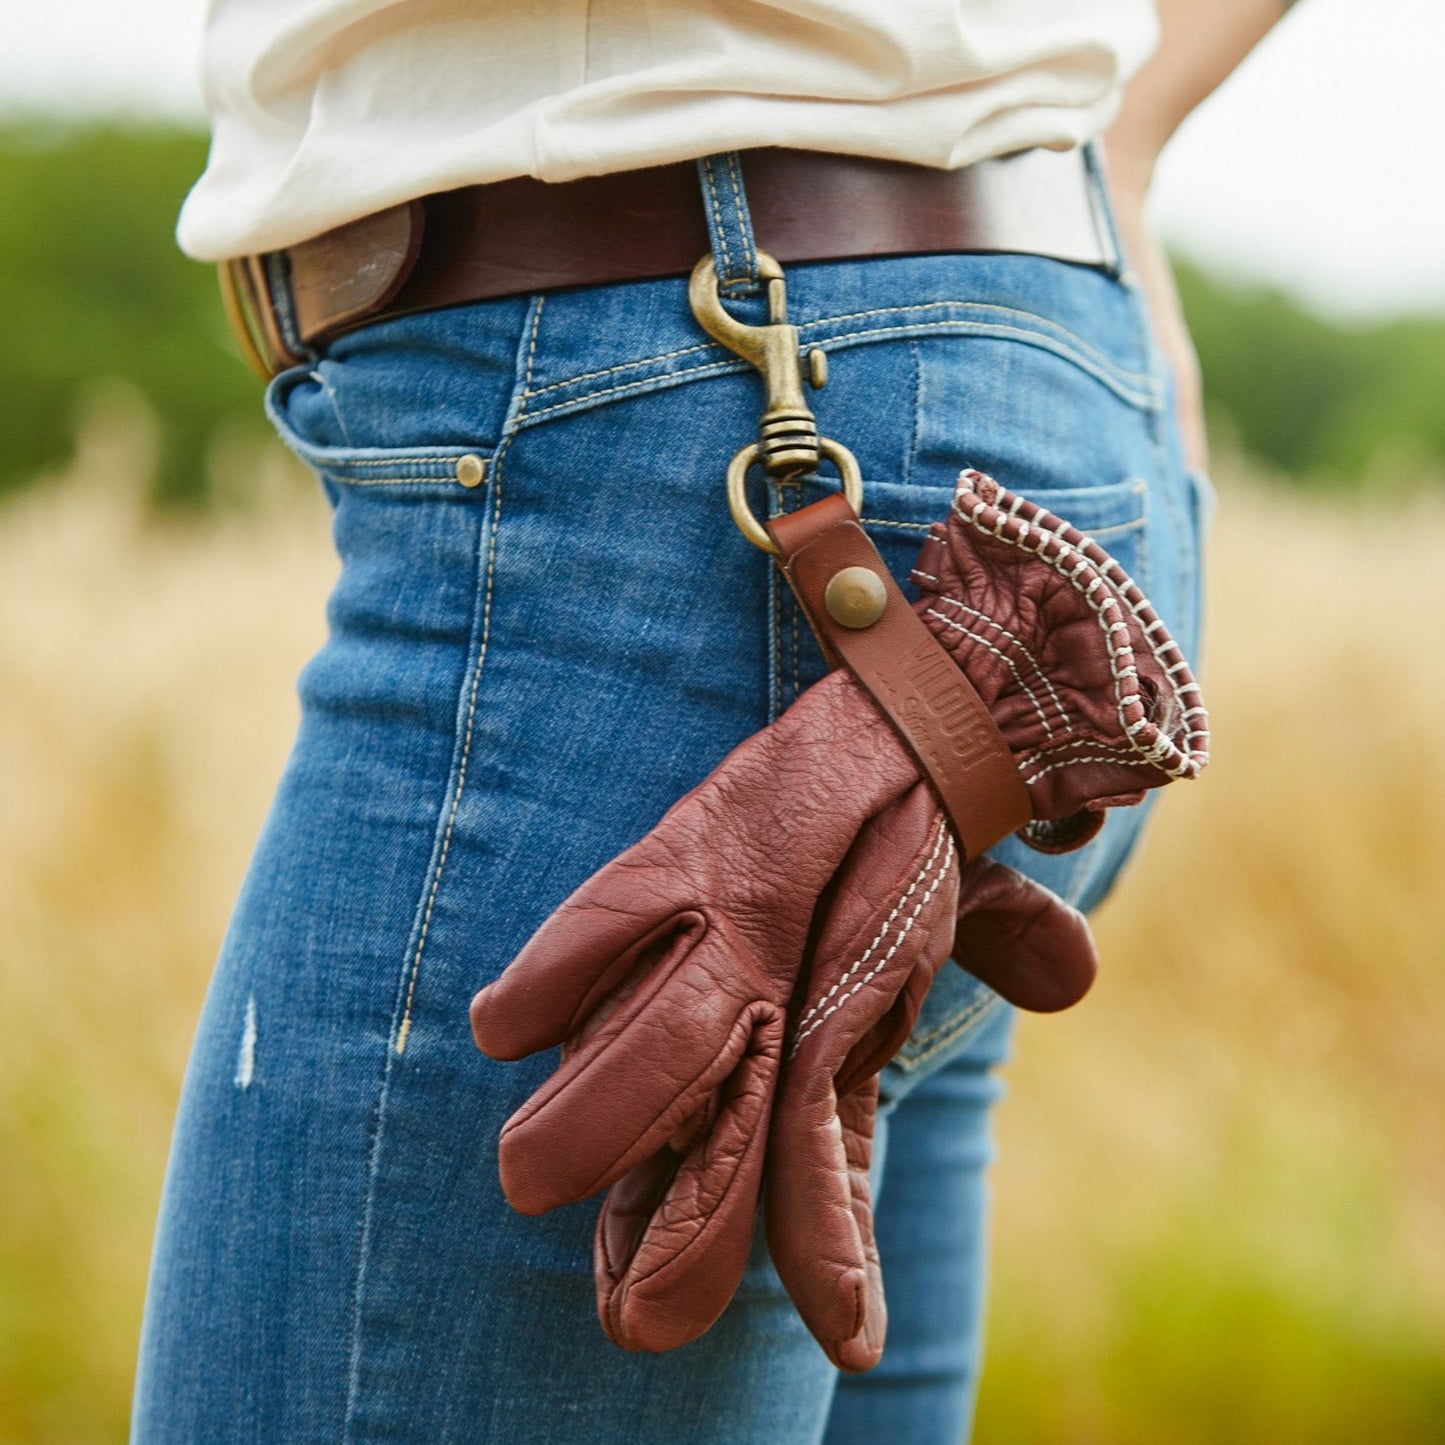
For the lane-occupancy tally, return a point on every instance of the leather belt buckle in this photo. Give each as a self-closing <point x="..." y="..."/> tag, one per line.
<point x="337" y="279"/>
<point x="251" y="310"/>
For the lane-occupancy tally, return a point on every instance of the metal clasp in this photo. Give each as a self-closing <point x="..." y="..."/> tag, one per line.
<point x="788" y="441"/>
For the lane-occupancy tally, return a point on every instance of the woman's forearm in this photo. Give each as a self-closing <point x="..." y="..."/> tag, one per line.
<point x="1201" y="43"/>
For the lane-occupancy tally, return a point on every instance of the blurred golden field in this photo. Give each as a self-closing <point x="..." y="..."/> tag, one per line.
<point x="1220" y="1206"/>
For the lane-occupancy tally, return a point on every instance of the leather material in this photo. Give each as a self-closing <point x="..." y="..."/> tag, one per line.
<point x="519" y="236"/>
<point x="756" y="958"/>
<point x="874" y="960"/>
<point x="908" y="674"/>
<point x="347" y="275"/>
<point x="668" y="976"/>
<point x="1078" y="670"/>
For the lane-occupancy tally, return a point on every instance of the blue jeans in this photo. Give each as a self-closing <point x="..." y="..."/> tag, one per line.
<point x="521" y="675"/>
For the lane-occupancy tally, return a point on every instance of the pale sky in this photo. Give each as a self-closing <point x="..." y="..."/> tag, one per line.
<point x="1319" y="166"/>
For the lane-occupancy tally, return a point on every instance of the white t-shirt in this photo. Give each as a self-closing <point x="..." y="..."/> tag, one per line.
<point x="326" y="110"/>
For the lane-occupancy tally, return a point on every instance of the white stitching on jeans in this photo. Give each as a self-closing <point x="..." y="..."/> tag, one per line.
<point x="1107" y="374"/>
<point x="448" y="460"/>
<point x="378" y="1125"/>
<point x="621" y="366"/>
<point x="716" y="368"/>
<point x="404" y="1031"/>
<point x="341" y="479"/>
<point x="721" y="230"/>
<point x="916" y="1051"/>
<point x="750" y="261"/>
<point x="1123" y="372"/>
<point x="1142" y="377"/>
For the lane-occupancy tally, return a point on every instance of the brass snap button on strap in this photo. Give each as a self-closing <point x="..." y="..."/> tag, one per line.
<point x="855" y="597"/>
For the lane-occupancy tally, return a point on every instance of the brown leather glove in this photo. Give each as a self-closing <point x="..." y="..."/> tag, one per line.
<point x="669" y="974"/>
<point x="1095" y="702"/>
<point x="1077" y="669"/>
<point x="864" y="989"/>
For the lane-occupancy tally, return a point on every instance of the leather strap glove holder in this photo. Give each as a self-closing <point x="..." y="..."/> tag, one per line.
<point x="754" y="960"/>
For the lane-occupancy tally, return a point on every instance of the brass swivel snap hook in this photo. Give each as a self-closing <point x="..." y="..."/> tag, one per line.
<point x="788" y="441"/>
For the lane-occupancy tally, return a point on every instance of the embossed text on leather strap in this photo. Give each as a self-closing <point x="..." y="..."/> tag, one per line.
<point x="905" y="670"/>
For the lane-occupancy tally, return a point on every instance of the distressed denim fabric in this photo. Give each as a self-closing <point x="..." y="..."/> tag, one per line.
<point x="521" y="675"/>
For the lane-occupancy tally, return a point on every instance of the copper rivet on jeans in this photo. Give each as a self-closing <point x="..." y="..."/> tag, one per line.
<point x="470" y="470"/>
<point x="855" y="597"/>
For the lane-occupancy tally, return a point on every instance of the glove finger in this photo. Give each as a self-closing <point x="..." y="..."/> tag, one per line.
<point x="620" y="920"/>
<point x="674" y="1234"/>
<point x="857" y="1112"/>
<point x="882" y="933"/>
<point x="1023" y="940"/>
<point x="619" y="1098"/>
<point x="820" y="1221"/>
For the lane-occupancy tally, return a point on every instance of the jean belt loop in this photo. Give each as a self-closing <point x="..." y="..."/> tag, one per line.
<point x="1102" y="206"/>
<point x="729" y="226"/>
<point x="278" y="282"/>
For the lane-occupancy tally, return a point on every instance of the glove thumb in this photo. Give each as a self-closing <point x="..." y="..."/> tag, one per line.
<point x="1022" y="940"/>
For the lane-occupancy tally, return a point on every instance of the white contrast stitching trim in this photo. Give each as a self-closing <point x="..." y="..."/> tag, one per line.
<point x="1132" y="379"/>
<point x="1116" y="378"/>
<point x="621" y="366"/>
<point x="346" y="481"/>
<point x="404" y="1030"/>
<point x="918" y="1050"/>
<point x="450" y="459"/>
<point x="750" y="260"/>
<point x="716" y="208"/>
<point x="1142" y="377"/>
<point x="1124" y="752"/>
<point x="717" y="368"/>
<point x="1026" y="525"/>
<point x="1114" y="757"/>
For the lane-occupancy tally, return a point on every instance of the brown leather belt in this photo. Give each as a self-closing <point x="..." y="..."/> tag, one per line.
<point x="519" y="236"/>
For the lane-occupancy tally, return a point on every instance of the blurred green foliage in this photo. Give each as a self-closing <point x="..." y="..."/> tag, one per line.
<point x="1325" y="402"/>
<point x="1211" y="1336"/>
<point x="92" y="286"/>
